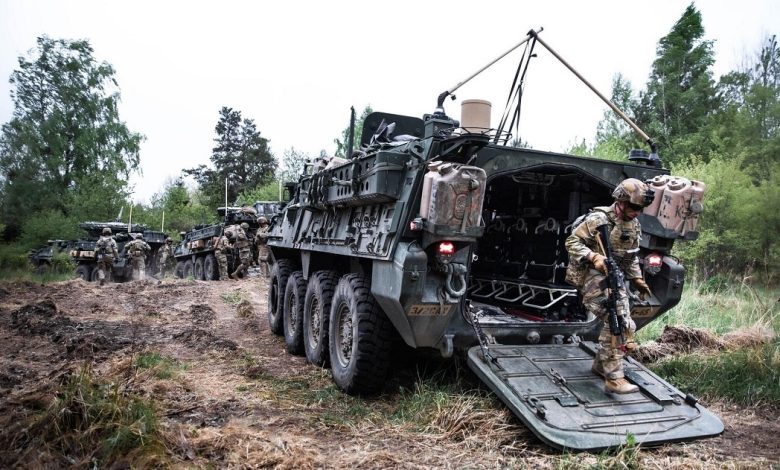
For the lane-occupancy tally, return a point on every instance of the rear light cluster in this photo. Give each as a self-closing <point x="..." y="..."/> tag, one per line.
<point x="653" y="263"/>
<point x="446" y="248"/>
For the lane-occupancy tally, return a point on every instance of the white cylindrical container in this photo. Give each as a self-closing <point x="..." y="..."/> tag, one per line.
<point x="475" y="116"/>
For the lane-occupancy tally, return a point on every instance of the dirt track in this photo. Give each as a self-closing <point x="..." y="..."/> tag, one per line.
<point x="237" y="399"/>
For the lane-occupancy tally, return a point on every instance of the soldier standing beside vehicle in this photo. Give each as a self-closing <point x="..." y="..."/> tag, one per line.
<point x="261" y="239"/>
<point x="587" y="271"/>
<point x="166" y="253"/>
<point x="244" y="250"/>
<point x="138" y="249"/>
<point x="220" y="251"/>
<point x="106" y="252"/>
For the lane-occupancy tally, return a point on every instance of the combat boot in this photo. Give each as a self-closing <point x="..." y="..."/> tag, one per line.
<point x="620" y="385"/>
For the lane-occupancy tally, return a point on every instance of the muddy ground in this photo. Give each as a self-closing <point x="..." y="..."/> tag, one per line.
<point x="233" y="397"/>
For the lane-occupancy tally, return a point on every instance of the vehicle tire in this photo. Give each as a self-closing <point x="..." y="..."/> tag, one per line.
<point x="178" y="271"/>
<point x="198" y="269"/>
<point x="316" y="316"/>
<point x="84" y="272"/>
<point x="294" y="294"/>
<point x="210" y="268"/>
<point x="279" y="274"/>
<point x="188" y="270"/>
<point x="360" y="337"/>
<point x="95" y="275"/>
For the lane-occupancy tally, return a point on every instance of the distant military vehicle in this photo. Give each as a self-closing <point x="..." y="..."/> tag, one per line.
<point x="438" y="233"/>
<point x="195" y="253"/>
<point x="82" y="251"/>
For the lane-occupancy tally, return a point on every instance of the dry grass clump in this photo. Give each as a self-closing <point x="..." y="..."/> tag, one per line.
<point x="468" y="421"/>
<point x="244" y="309"/>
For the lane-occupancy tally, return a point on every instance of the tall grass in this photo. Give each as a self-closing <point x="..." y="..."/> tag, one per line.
<point x="721" y="307"/>
<point x="101" y="422"/>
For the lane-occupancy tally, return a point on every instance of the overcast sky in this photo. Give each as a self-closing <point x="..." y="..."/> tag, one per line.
<point x="296" y="67"/>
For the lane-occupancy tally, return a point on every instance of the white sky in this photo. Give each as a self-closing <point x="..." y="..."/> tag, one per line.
<point x="296" y="67"/>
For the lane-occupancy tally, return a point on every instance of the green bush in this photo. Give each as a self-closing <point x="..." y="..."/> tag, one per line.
<point x="14" y="258"/>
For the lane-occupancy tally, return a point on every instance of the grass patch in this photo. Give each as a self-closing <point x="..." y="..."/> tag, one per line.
<point x="162" y="367"/>
<point x="93" y="420"/>
<point x="233" y="297"/>
<point x="720" y="308"/>
<point x="749" y="376"/>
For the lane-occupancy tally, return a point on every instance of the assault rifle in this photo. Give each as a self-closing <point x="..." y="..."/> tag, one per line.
<point x="614" y="282"/>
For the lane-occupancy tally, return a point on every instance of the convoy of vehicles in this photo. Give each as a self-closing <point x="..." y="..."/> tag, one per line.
<point x="195" y="255"/>
<point x="82" y="251"/>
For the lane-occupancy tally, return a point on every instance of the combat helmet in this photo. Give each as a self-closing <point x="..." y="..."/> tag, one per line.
<point x="634" y="192"/>
<point x="262" y="220"/>
<point x="106" y="231"/>
<point x="244" y="226"/>
<point x="168" y="240"/>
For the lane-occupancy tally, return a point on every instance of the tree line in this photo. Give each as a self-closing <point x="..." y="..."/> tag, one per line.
<point x="66" y="155"/>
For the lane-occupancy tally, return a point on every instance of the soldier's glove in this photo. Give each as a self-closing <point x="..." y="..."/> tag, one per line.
<point x="598" y="262"/>
<point x="641" y="286"/>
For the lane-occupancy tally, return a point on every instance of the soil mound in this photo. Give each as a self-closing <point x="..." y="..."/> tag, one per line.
<point x="203" y="340"/>
<point x="40" y="319"/>
<point x="202" y="314"/>
<point x="684" y="339"/>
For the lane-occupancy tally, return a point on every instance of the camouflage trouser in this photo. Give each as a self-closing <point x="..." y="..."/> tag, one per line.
<point x="609" y="359"/>
<point x="139" y="268"/>
<point x="104" y="266"/>
<point x="265" y="270"/>
<point x="245" y="255"/>
<point x="223" y="265"/>
<point x="163" y="265"/>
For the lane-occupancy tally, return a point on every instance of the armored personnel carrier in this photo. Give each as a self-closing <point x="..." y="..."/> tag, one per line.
<point x="82" y="251"/>
<point x="195" y="253"/>
<point x="437" y="234"/>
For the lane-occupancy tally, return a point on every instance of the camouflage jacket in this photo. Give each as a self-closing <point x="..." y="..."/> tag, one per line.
<point x="241" y="240"/>
<point x="166" y="250"/>
<point x="261" y="237"/>
<point x="223" y="244"/>
<point x="623" y="238"/>
<point x="106" y="246"/>
<point x="138" y="248"/>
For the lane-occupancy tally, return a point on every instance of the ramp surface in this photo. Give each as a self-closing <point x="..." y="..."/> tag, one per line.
<point x="553" y="391"/>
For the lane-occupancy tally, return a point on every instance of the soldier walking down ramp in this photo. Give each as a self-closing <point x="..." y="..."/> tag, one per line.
<point x="106" y="253"/>
<point x="244" y="250"/>
<point x="587" y="271"/>
<point x="166" y="253"/>
<point x="138" y="249"/>
<point x="261" y="242"/>
<point x="220" y="251"/>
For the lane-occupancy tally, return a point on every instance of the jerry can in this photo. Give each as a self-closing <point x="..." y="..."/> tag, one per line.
<point x="456" y="196"/>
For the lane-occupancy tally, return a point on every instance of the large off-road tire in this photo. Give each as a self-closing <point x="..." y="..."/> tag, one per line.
<point x="360" y="337"/>
<point x="178" y="271"/>
<point x="316" y="316"/>
<point x="279" y="275"/>
<point x="211" y="268"/>
<point x="294" y="294"/>
<point x="95" y="275"/>
<point x="198" y="269"/>
<point x="188" y="270"/>
<point x="84" y="271"/>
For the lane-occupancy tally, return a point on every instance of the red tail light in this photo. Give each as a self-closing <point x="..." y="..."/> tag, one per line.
<point x="654" y="260"/>
<point x="446" y="248"/>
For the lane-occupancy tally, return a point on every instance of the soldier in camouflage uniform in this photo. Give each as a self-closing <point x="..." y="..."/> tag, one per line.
<point x="220" y="251"/>
<point x="166" y="253"/>
<point x="138" y="249"/>
<point x="261" y="239"/>
<point x="106" y="251"/>
<point x="587" y="272"/>
<point x="244" y="250"/>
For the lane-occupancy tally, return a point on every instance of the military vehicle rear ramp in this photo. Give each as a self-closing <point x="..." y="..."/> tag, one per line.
<point x="552" y="390"/>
